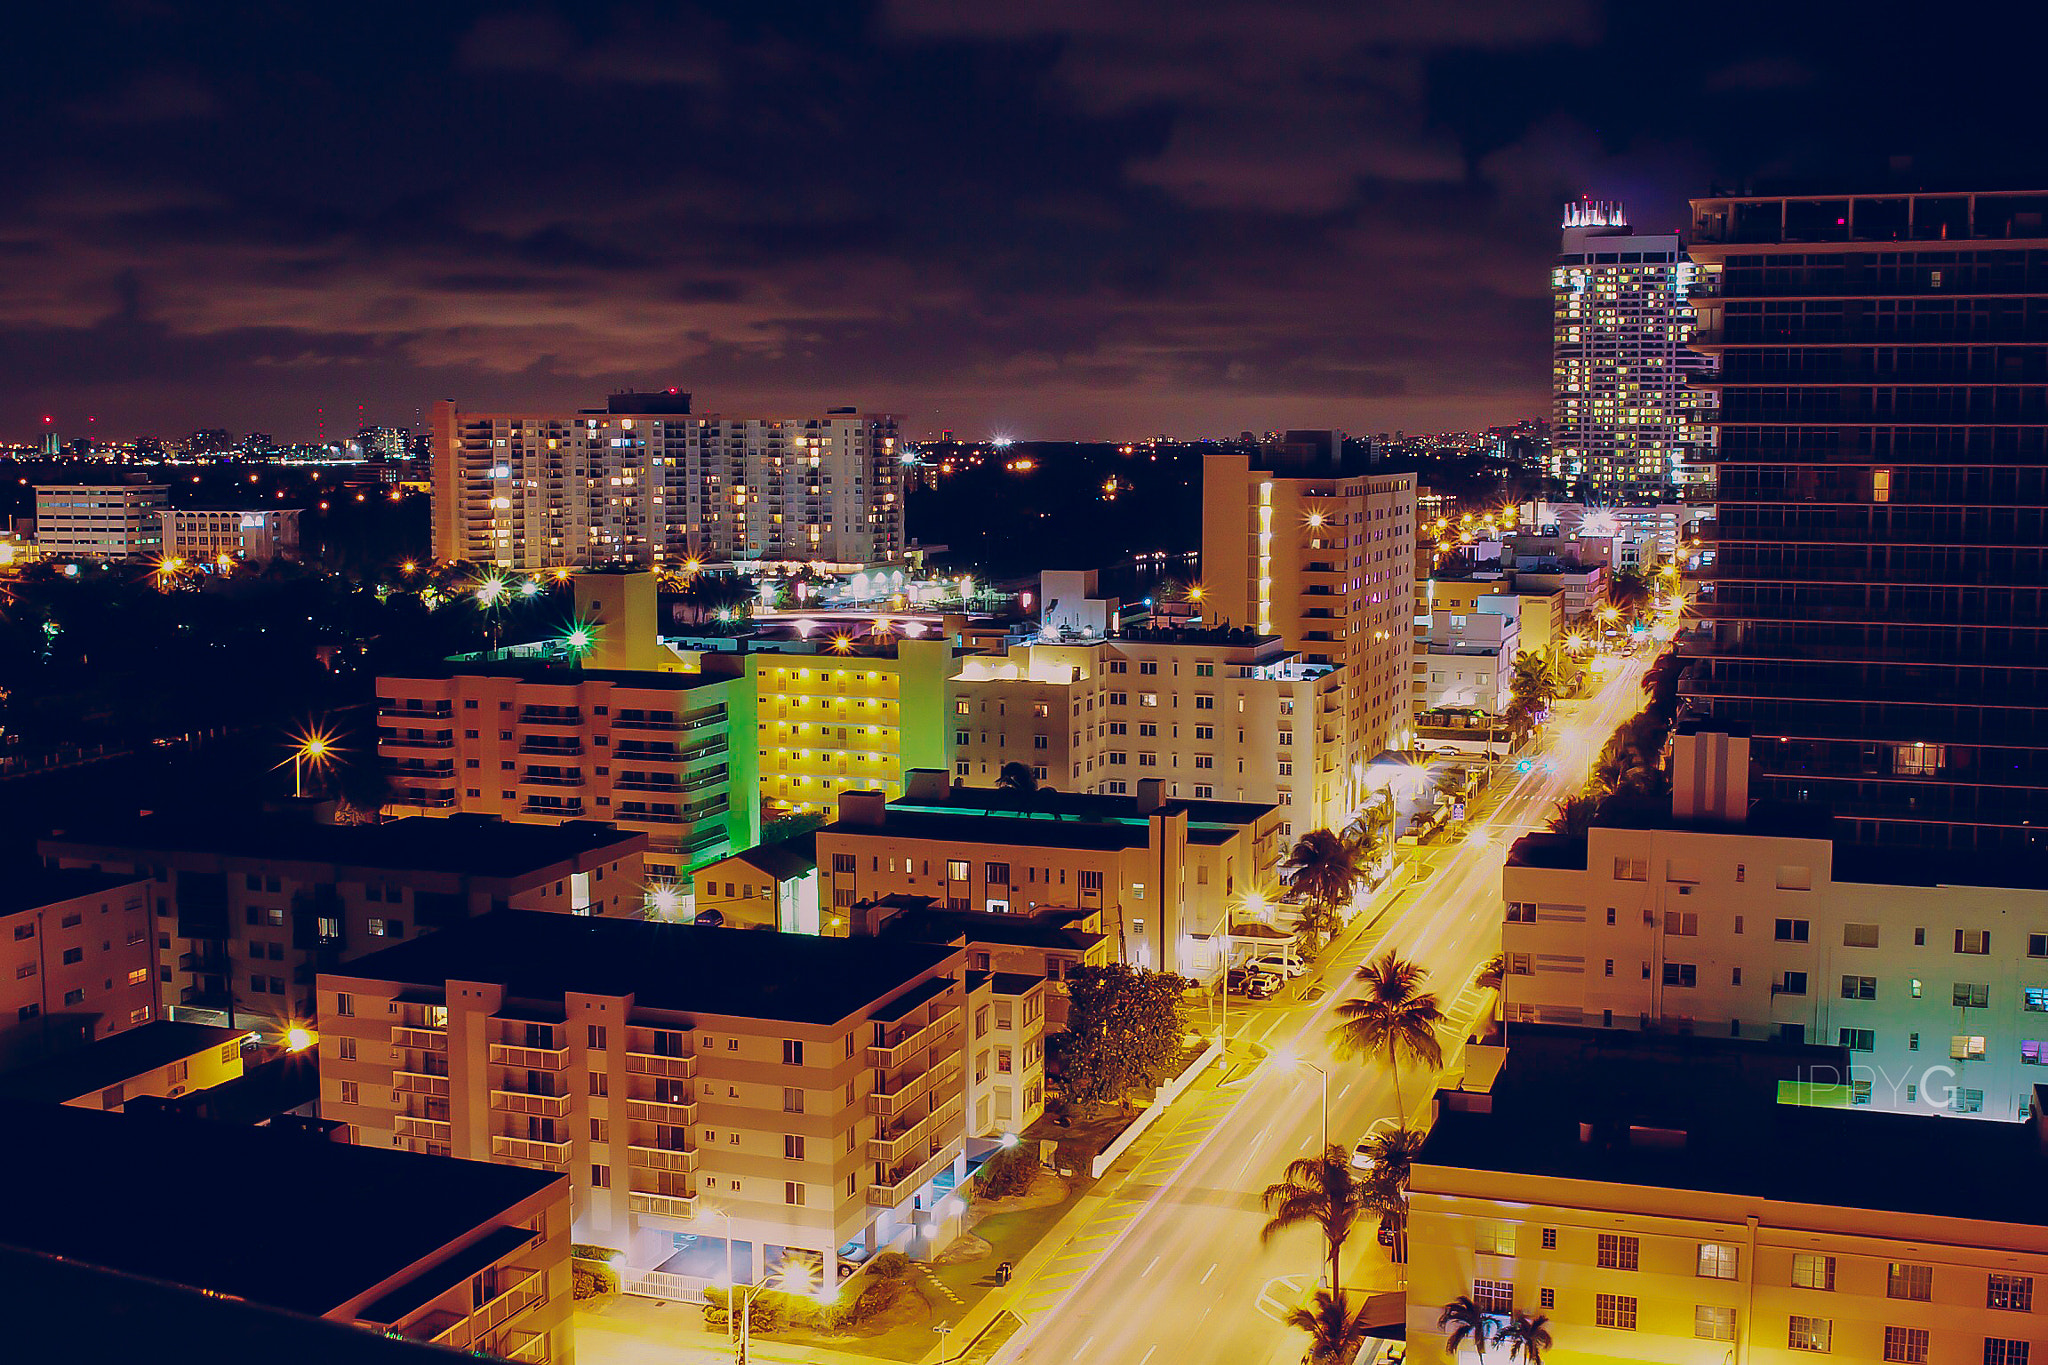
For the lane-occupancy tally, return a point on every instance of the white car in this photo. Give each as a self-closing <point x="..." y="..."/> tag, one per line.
<point x="1361" y="1155"/>
<point x="1279" y="965"/>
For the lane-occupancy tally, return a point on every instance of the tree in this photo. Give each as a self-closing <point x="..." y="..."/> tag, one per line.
<point x="1575" y="815"/>
<point x="1394" y="1018"/>
<point x="1124" y="1030"/>
<point x="1520" y="718"/>
<point x="1335" y="1330"/>
<point x="1467" y="1321"/>
<point x="1525" y="1337"/>
<point x="1392" y="1153"/>
<point x="1535" y="680"/>
<point x="1629" y="591"/>
<point x="1323" y="868"/>
<point x="1325" y="1190"/>
<point x="1022" y="785"/>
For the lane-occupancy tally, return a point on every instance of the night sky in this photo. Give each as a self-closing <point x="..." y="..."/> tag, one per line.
<point x="1047" y="218"/>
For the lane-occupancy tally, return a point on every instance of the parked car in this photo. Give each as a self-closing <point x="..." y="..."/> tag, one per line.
<point x="1280" y="964"/>
<point x="1256" y="985"/>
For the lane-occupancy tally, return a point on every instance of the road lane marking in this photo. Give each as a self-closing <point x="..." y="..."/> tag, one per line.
<point x="1210" y="1271"/>
<point x="1148" y="1269"/>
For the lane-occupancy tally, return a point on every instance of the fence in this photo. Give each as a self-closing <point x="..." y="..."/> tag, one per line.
<point x="1167" y="1094"/>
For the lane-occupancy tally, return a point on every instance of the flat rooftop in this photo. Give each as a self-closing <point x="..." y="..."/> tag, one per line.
<point x="935" y="924"/>
<point x="32" y="888"/>
<point x="556" y="668"/>
<point x="364" y="1214"/>
<point x="1055" y="820"/>
<point x="739" y="973"/>
<point x="468" y="844"/>
<point x="1721" y="1096"/>
<point x="92" y="1068"/>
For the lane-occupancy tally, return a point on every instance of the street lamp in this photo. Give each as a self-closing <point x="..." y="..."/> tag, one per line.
<point x="315" y="749"/>
<point x="945" y="1331"/>
<point x="1290" y="1059"/>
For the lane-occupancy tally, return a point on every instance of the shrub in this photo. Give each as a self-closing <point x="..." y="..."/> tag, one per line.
<point x="584" y="1251"/>
<point x="888" y="1265"/>
<point x="1008" y="1172"/>
<point x="875" y="1298"/>
<point x="594" y="1281"/>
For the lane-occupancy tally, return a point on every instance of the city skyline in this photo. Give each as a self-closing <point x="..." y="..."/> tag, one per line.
<point x="1116" y="228"/>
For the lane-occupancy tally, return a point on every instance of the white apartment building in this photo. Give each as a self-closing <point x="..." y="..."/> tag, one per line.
<point x="1751" y="922"/>
<point x="1466" y="659"/>
<point x="1163" y="876"/>
<point x="1215" y="715"/>
<point x="1624" y="420"/>
<point x="707" y="1091"/>
<point x="643" y="481"/>
<point x="1652" y="533"/>
<point x="225" y="538"/>
<point x="1306" y="544"/>
<point x="100" y="521"/>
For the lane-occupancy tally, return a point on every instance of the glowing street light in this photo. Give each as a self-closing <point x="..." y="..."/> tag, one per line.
<point x="298" y="1038"/>
<point x="314" y="749"/>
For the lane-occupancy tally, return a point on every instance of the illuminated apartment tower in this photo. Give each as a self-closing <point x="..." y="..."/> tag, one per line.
<point x="1880" y="593"/>
<point x="1302" y="543"/>
<point x="642" y="481"/>
<point x="1625" y="421"/>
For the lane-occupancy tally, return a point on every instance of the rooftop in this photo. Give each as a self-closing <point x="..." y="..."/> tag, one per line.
<point x="786" y="859"/>
<point x="474" y="845"/>
<point x="964" y="825"/>
<point x="557" y="667"/>
<point x="118" y="1057"/>
<point x="1717" y="1128"/>
<point x="928" y="923"/>
<point x="99" y="1190"/>
<point x="32" y="888"/>
<point x="746" y="974"/>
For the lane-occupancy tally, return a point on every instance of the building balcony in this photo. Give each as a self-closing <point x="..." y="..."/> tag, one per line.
<point x="676" y="1113"/>
<point x="672" y="788"/>
<point x="682" y="1068"/>
<point x="206" y="997"/>
<point x="387" y="740"/>
<point x="566" y="810"/>
<point x="551" y="779"/>
<point x="536" y="749"/>
<point x="522" y="1102"/>
<point x="900" y="1052"/>
<point x="570" y="717"/>
<point x="888" y="1104"/>
<point x="529" y="1058"/>
<point x="427" y="1130"/>
<point x="419" y="1083"/>
<point x="424" y="799"/>
<point x="646" y="723"/>
<point x="529" y="1348"/>
<point x="438" y="711"/>
<point x="525" y="1289"/>
<point x="906" y="1181"/>
<point x="425" y="1039"/>
<point x="894" y="1147"/>
<point x="546" y="1156"/>
<point x="205" y="963"/>
<point x="662" y="1205"/>
<point x="674" y="1161"/>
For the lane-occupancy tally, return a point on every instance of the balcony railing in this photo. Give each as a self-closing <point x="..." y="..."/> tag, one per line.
<point x="901" y="1051"/>
<point x="662" y="1205"/>
<point x="522" y="1102"/>
<point x="680" y="1113"/>
<point x="683" y="1068"/>
<point x="425" y="1039"/>
<point x="890" y="1104"/>
<point x="467" y="1332"/>
<point x="550" y="718"/>
<point x="894" y="1147"/>
<point x="537" y="749"/>
<point x="551" y="779"/>
<point x="387" y="740"/>
<point x="551" y="1156"/>
<point x="907" y="1181"/>
<point x="546" y="808"/>
<point x="529" y="1058"/>
<point x="674" y="1161"/>
<point x="430" y="1130"/>
<point x="419" y="1083"/>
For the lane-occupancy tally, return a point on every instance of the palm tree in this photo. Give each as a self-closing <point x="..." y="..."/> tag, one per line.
<point x="1022" y="784"/>
<point x="1335" y="1330"/>
<point x="1575" y="815"/>
<point x="1323" y="1190"/>
<point x="1325" y="869"/>
<point x="1629" y="591"/>
<point x="1525" y="1337"/>
<point x="1392" y="1155"/>
<point x="1520" y="718"/>
<point x="1395" y="1017"/>
<point x="1535" y="680"/>
<point x="1467" y="1321"/>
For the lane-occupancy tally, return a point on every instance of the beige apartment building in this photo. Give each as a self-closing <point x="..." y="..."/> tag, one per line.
<point x="1007" y="1052"/>
<point x="1738" y="920"/>
<point x="643" y="481"/>
<point x="1165" y="876"/>
<point x="102" y="521"/>
<point x="459" y="1254"/>
<point x="706" y="1090"/>
<point x="221" y="539"/>
<point x="1656" y="1202"/>
<point x="1214" y="715"/>
<point x="75" y="959"/>
<point x="245" y="913"/>
<point x="1300" y="544"/>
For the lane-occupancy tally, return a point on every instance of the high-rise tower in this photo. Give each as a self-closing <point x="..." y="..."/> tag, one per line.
<point x="1625" y="424"/>
<point x="1879" y="590"/>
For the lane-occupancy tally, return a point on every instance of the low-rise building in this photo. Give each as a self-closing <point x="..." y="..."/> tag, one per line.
<point x="458" y="1253"/>
<point x="1656" y="1199"/>
<point x="1164" y="875"/>
<point x="243" y="913"/>
<point x="1466" y="662"/>
<point x="158" y="1060"/>
<point x="710" y="1092"/>
<point x="1214" y="714"/>
<point x="75" y="958"/>
<point x="1731" y="919"/>
<point x="100" y="521"/>
<point x="217" y="538"/>
<point x="774" y="886"/>
<point x="1006" y="1092"/>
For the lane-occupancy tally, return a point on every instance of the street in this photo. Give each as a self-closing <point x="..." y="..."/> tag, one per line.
<point x="1182" y="1283"/>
